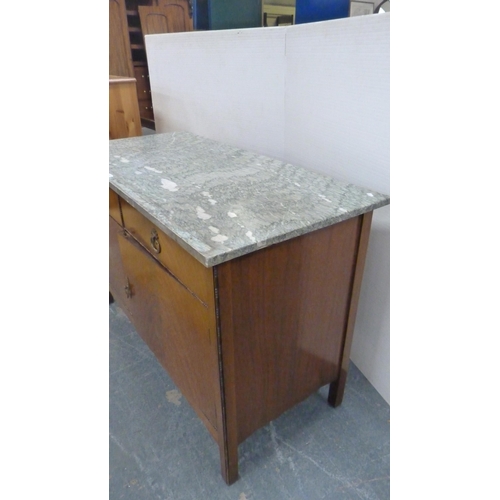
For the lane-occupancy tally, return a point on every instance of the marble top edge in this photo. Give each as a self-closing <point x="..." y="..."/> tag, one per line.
<point x="220" y="202"/>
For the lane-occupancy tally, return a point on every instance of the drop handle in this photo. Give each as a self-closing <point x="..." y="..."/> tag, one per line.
<point x="155" y="241"/>
<point x="128" y="290"/>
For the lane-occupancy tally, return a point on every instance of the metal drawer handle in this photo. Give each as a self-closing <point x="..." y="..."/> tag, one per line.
<point x="128" y="290"/>
<point x="155" y="241"/>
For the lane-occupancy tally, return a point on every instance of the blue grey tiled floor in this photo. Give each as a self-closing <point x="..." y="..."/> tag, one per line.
<point x="160" y="450"/>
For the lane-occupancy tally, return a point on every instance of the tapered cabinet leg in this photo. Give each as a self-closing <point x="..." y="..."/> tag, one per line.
<point x="229" y="462"/>
<point x="336" y="392"/>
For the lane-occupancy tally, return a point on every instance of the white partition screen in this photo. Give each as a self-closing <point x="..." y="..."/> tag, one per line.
<point x="313" y="94"/>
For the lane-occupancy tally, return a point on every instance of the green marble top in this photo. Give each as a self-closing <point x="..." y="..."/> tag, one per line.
<point x="220" y="202"/>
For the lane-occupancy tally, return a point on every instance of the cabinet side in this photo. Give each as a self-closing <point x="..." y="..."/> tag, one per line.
<point x="284" y="313"/>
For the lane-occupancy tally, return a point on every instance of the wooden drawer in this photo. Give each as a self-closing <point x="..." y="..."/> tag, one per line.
<point x="197" y="278"/>
<point x="114" y="207"/>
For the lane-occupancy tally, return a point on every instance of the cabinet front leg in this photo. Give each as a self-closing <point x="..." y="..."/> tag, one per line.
<point x="229" y="461"/>
<point x="227" y="416"/>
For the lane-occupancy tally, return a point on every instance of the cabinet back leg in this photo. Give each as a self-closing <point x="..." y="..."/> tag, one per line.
<point x="336" y="392"/>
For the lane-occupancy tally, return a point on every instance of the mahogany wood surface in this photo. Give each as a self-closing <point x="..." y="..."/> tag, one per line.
<point x="283" y="315"/>
<point x="143" y="85"/>
<point x="336" y="392"/>
<point x="228" y="437"/>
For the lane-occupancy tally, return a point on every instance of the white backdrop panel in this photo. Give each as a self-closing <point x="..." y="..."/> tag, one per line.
<point x="314" y="94"/>
<point x="225" y="85"/>
<point x="337" y="121"/>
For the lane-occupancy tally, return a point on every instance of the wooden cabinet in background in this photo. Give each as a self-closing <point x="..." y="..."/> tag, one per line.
<point x="124" y="117"/>
<point x="120" y="55"/>
<point x="127" y="51"/>
<point x="144" y="91"/>
<point x="169" y="16"/>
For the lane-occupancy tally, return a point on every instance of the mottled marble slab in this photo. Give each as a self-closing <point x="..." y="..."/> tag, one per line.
<point x="220" y="202"/>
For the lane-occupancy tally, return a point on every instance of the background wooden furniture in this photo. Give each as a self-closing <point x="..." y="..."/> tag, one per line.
<point x="127" y="52"/>
<point x="124" y="118"/>
<point x="120" y="55"/>
<point x="180" y="11"/>
<point x="166" y="19"/>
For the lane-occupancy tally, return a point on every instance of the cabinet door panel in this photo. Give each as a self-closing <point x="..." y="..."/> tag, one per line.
<point x="179" y="10"/>
<point x="174" y="324"/>
<point x="169" y="18"/>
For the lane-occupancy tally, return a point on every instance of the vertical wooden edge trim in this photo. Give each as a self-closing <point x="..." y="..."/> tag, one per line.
<point x="337" y="389"/>
<point x="120" y="207"/>
<point x="228" y="445"/>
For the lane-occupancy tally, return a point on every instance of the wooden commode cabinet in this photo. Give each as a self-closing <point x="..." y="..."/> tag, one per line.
<point x="247" y="298"/>
<point x="247" y="339"/>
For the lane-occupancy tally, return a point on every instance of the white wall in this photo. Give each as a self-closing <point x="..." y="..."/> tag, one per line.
<point x="313" y="94"/>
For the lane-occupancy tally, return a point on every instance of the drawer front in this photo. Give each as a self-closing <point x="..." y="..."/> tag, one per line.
<point x="114" y="207"/>
<point x="175" y="326"/>
<point x="143" y="87"/>
<point x="146" y="109"/>
<point x="186" y="268"/>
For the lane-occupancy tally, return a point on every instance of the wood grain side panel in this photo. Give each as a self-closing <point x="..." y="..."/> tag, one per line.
<point x="283" y="313"/>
